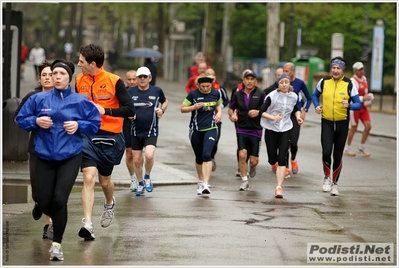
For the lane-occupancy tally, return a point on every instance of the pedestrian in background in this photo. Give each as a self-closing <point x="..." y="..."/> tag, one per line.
<point x="24" y="57"/>
<point x="38" y="56"/>
<point x="113" y="59"/>
<point x="52" y="49"/>
<point x="301" y="90"/>
<point x="363" y="114"/>
<point x="150" y="104"/>
<point x="192" y="82"/>
<point x="104" y="149"/>
<point x="247" y="102"/>
<point x="68" y="49"/>
<point x="153" y="69"/>
<point x="206" y="112"/>
<point x="338" y="95"/>
<point x="277" y="73"/>
<point x="276" y="119"/>
<point x="131" y="81"/>
<point x="46" y="83"/>
<point x="59" y="117"/>
<point x="225" y="101"/>
<point x="198" y="58"/>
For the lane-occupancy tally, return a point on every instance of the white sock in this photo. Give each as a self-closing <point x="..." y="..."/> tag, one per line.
<point x="245" y="178"/>
<point x="361" y="146"/>
<point x="133" y="177"/>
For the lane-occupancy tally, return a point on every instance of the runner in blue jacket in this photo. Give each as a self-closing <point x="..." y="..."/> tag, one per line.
<point x="58" y="117"/>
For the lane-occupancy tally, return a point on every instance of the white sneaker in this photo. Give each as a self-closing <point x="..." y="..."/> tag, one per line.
<point x="56" y="252"/>
<point x="244" y="186"/>
<point x="327" y="184"/>
<point x="108" y="214"/>
<point x="205" y="188"/>
<point x="134" y="183"/>
<point x="252" y="171"/>
<point x="334" y="190"/>
<point x="199" y="187"/>
<point x="87" y="231"/>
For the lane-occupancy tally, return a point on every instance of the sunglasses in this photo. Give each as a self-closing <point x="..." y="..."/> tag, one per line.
<point x="142" y="76"/>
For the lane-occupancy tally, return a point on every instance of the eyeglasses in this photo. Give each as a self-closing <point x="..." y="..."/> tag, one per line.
<point x="142" y="76"/>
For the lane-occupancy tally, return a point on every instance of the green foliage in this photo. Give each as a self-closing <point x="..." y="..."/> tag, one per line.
<point x="248" y="30"/>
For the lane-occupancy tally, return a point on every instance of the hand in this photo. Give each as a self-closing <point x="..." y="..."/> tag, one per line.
<point x="44" y="122"/>
<point x="100" y="108"/>
<point x="345" y="103"/>
<point x="253" y="113"/>
<point x="218" y="117"/>
<point x="71" y="127"/>
<point x="159" y="112"/>
<point x="319" y="109"/>
<point x="233" y="118"/>
<point x="299" y="120"/>
<point x="278" y="118"/>
<point x="198" y="105"/>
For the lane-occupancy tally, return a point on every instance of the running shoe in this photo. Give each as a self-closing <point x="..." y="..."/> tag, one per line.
<point x="87" y="231"/>
<point x="56" y="252"/>
<point x="278" y="193"/>
<point x="287" y="173"/>
<point x="148" y="184"/>
<point x="108" y="214"/>
<point x="36" y="212"/>
<point x="334" y="190"/>
<point x="140" y="190"/>
<point x="199" y="187"/>
<point x="133" y="184"/>
<point x="327" y="184"/>
<point x="205" y="188"/>
<point x="44" y="235"/>
<point x="274" y="168"/>
<point x="349" y="152"/>
<point x="244" y="186"/>
<point x="362" y="151"/>
<point x="252" y="171"/>
<point x="50" y="231"/>
<point x="238" y="173"/>
<point x="294" y="167"/>
<point x="213" y="165"/>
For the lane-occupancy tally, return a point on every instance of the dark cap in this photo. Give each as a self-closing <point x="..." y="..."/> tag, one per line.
<point x="283" y="76"/>
<point x="248" y="73"/>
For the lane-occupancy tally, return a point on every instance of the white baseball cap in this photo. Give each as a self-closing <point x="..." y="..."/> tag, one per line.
<point x="143" y="71"/>
<point x="357" y="66"/>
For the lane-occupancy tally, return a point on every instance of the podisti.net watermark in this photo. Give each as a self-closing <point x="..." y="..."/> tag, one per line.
<point x="377" y="253"/>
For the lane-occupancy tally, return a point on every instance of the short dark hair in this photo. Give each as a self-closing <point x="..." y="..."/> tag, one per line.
<point x="92" y="53"/>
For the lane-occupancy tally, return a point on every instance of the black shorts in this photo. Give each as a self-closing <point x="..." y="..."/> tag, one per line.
<point x="127" y="125"/>
<point x="250" y="143"/>
<point x="103" y="151"/>
<point x="138" y="143"/>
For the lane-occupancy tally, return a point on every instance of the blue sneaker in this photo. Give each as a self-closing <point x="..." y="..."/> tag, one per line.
<point x="148" y="183"/>
<point x="140" y="189"/>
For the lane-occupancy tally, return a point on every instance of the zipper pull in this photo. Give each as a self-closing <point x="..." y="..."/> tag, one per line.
<point x="62" y="96"/>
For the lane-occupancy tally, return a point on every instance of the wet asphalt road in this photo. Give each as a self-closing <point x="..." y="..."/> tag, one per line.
<point x="172" y="226"/>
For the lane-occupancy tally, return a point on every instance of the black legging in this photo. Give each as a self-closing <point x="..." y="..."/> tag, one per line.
<point x="215" y="148"/>
<point x="277" y="144"/>
<point x="54" y="186"/>
<point x="333" y="135"/>
<point x="294" y="137"/>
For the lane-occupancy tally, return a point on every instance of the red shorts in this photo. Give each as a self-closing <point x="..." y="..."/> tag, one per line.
<point x="362" y="114"/>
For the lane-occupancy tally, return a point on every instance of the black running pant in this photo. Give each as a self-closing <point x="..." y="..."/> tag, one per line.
<point x="333" y="139"/>
<point x="54" y="186"/>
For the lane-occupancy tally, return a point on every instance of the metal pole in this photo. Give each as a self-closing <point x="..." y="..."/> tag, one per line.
<point x="291" y="32"/>
<point x="7" y="54"/>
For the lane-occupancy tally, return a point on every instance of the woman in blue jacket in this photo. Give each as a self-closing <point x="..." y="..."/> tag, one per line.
<point x="58" y="117"/>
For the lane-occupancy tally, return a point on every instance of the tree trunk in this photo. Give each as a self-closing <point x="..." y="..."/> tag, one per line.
<point x="210" y="21"/>
<point x="272" y="34"/>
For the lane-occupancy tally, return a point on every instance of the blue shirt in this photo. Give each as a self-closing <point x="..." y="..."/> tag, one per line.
<point x="145" y="102"/>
